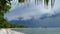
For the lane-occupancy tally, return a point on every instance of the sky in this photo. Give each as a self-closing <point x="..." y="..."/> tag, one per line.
<point x="27" y="12"/>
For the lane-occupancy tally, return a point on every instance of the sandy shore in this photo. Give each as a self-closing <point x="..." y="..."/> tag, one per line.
<point x="9" y="31"/>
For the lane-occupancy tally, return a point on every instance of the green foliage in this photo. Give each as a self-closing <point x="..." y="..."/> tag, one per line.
<point x="5" y="5"/>
<point x="21" y="1"/>
<point x="6" y="24"/>
<point x="46" y="1"/>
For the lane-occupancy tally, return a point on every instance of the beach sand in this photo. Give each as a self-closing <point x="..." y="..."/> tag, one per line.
<point x="9" y="31"/>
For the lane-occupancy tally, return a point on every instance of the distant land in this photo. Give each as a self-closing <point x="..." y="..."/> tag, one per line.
<point x="53" y="21"/>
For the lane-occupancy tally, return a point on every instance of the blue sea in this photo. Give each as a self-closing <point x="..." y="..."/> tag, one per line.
<point x="38" y="30"/>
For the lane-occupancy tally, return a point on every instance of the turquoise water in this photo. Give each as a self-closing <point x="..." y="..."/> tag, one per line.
<point x="39" y="30"/>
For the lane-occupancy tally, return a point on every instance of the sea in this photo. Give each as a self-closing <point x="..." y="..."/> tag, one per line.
<point x="38" y="30"/>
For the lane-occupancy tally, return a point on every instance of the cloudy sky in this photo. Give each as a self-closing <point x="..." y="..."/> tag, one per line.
<point x="37" y="11"/>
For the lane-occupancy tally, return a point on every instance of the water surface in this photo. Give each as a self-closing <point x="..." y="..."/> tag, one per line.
<point x="39" y="30"/>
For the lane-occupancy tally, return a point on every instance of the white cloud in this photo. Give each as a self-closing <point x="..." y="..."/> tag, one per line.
<point x="31" y="11"/>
